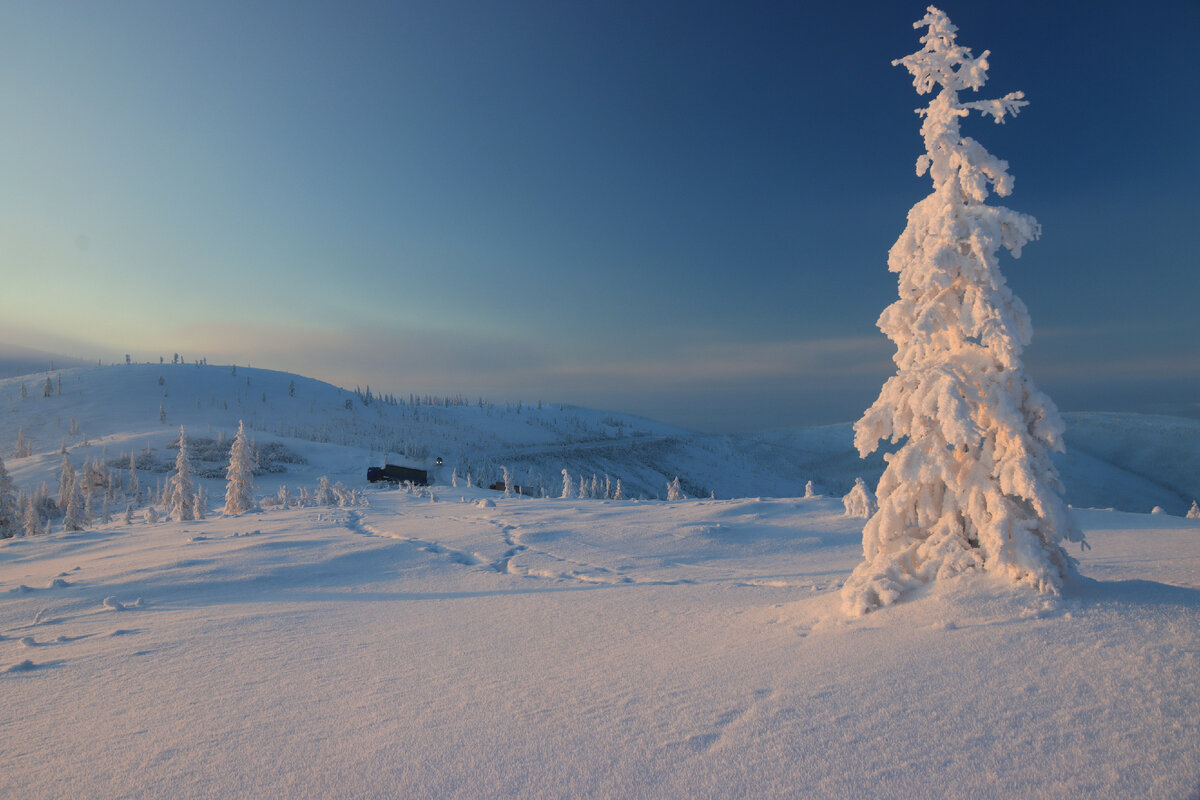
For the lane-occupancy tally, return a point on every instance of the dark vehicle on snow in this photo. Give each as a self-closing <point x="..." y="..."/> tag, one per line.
<point x="395" y="474"/>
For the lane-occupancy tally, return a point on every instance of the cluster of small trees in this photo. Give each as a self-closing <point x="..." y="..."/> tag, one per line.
<point x="85" y="495"/>
<point x="593" y="489"/>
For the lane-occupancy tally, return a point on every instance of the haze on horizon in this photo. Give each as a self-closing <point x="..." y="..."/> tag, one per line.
<point x="675" y="210"/>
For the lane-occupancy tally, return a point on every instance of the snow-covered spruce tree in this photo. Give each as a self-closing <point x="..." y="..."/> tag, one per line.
<point x="75" y="517"/>
<point x="568" y="488"/>
<point x="239" y="476"/>
<point x="181" y="490"/>
<point x="1194" y="511"/>
<point x="10" y="509"/>
<point x="23" y="449"/>
<point x="135" y="489"/>
<point x="971" y="487"/>
<point x="859" y="501"/>
<point x="32" y="518"/>
<point x="325" y="492"/>
<point x="675" y="491"/>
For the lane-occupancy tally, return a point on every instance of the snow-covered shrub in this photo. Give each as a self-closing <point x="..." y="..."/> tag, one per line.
<point x="972" y="486"/>
<point x="860" y="500"/>
<point x="674" y="492"/>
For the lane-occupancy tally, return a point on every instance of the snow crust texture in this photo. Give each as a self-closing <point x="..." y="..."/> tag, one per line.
<point x="972" y="486"/>
<point x="492" y="647"/>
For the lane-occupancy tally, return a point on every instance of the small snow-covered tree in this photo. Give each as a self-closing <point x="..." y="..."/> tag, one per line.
<point x="1194" y="511"/>
<point x="47" y="387"/>
<point x="200" y="503"/>
<point x="75" y="517"/>
<point x="860" y="501"/>
<point x="239" y="476"/>
<point x="10" y="510"/>
<point x="181" y="490"/>
<point x="66" y="480"/>
<point x="618" y="493"/>
<point x="971" y="486"/>
<point x="809" y="491"/>
<point x="134" y="487"/>
<point x="23" y="448"/>
<point x="568" y="489"/>
<point x="674" y="491"/>
<point x="32" y="518"/>
<point x="325" y="496"/>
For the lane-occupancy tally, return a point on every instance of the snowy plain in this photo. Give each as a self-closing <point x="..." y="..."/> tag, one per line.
<point x="460" y="643"/>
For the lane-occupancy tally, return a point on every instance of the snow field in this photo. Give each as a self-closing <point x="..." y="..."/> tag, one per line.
<point x="550" y="648"/>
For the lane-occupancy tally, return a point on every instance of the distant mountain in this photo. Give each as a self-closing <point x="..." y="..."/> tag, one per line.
<point x="16" y="360"/>
<point x="1126" y="461"/>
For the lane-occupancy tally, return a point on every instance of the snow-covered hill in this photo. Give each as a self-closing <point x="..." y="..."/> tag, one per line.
<point x="1124" y="461"/>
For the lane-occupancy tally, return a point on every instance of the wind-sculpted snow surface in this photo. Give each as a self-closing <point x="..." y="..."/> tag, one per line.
<point x="578" y="648"/>
<point x="972" y="486"/>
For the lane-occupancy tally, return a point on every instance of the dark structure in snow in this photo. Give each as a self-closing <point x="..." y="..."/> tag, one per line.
<point x="498" y="486"/>
<point x="395" y="474"/>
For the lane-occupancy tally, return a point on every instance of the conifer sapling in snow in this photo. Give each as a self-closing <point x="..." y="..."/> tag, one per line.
<point x="10" y="510"/>
<point x="181" y="491"/>
<point x="860" y="501"/>
<point x="971" y="487"/>
<point x="239" y="486"/>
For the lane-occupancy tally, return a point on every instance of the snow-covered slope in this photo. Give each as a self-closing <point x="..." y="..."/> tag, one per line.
<point x="1124" y="461"/>
<point x="486" y="647"/>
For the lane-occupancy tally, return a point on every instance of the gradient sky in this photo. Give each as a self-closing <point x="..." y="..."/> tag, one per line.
<point x="678" y="209"/>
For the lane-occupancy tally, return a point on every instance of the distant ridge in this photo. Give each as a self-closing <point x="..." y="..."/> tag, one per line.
<point x="17" y="360"/>
<point x="1130" y="462"/>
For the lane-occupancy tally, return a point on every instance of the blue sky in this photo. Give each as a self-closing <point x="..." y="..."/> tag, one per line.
<point x="676" y="209"/>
